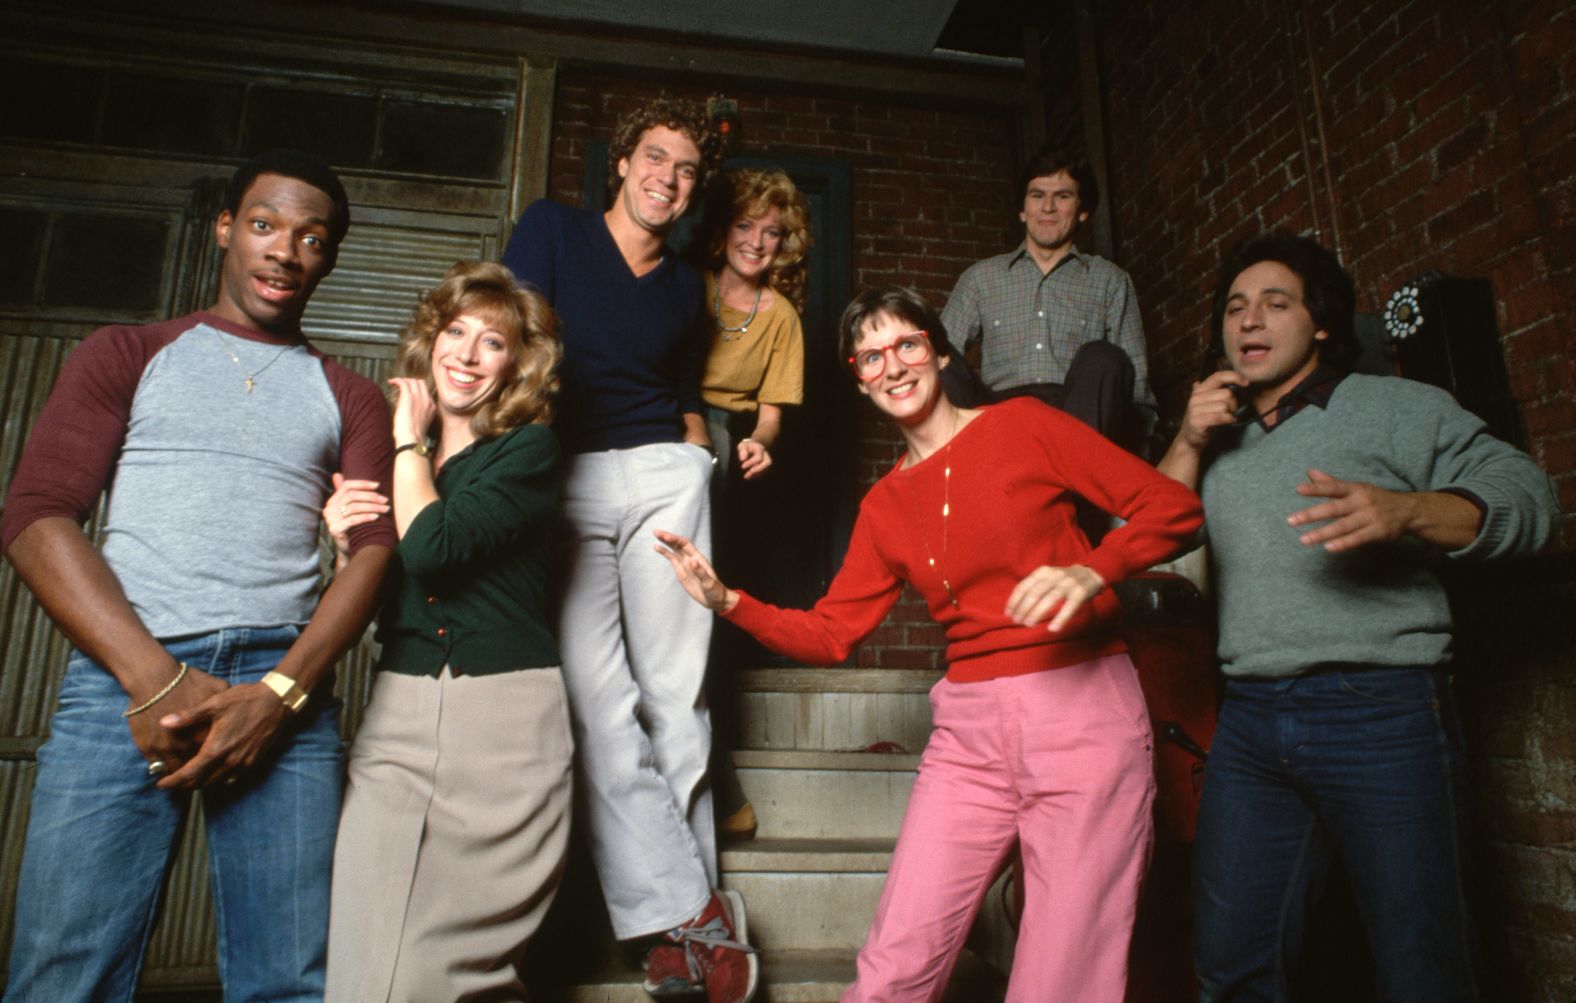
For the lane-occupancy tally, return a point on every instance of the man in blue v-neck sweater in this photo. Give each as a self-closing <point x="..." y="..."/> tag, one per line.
<point x="638" y="458"/>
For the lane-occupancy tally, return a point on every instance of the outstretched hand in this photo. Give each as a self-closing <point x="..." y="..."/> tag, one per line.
<point x="1355" y="514"/>
<point x="694" y="572"/>
<point x="1046" y="588"/>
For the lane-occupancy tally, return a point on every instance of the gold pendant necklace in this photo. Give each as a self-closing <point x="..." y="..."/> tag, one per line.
<point x="250" y="379"/>
<point x="946" y="512"/>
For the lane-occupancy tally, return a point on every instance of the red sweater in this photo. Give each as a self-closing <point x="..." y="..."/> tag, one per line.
<point x="1015" y="471"/>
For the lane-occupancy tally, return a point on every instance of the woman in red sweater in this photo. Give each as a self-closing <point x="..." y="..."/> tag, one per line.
<point x="1040" y="737"/>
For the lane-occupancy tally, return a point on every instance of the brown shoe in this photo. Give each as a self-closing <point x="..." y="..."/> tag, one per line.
<point x="741" y="824"/>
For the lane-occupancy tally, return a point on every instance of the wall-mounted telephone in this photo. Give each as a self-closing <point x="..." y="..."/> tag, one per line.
<point x="1442" y="331"/>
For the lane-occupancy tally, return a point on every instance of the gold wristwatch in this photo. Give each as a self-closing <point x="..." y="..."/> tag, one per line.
<point x="286" y="689"/>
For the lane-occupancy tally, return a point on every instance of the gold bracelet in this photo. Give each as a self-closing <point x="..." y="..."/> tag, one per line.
<point x="159" y="695"/>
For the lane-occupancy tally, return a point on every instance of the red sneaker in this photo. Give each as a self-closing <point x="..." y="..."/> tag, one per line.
<point x="668" y="969"/>
<point x="717" y="942"/>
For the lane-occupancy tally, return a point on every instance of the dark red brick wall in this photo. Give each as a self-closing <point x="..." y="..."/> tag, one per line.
<point x="1450" y="133"/>
<point x="932" y="193"/>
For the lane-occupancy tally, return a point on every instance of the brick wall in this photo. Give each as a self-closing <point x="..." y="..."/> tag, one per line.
<point x="1450" y="134"/>
<point x="1451" y="138"/>
<point x="932" y="193"/>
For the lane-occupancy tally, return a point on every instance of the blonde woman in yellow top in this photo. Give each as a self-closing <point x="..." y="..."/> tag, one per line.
<point x="751" y="245"/>
<point x="755" y="236"/>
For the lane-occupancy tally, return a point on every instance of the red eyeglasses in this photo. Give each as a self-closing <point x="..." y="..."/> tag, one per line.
<point x="911" y="349"/>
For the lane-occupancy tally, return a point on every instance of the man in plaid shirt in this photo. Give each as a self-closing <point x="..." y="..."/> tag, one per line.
<point x="1055" y="322"/>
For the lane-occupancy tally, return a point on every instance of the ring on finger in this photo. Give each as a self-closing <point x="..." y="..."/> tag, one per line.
<point x="157" y="768"/>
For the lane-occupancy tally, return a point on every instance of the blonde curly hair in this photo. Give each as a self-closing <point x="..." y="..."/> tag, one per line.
<point x="750" y="194"/>
<point x="489" y="291"/>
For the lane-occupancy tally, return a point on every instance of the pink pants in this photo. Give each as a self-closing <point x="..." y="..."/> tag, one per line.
<point x="1058" y="762"/>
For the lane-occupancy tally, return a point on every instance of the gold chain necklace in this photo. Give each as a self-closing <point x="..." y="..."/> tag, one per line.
<point x="251" y="378"/>
<point x="946" y="512"/>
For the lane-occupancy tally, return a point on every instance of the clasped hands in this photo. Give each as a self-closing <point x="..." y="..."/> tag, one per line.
<point x="207" y="731"/>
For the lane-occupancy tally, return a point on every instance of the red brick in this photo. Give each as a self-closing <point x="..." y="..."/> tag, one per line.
<point x="1556" y="415"/>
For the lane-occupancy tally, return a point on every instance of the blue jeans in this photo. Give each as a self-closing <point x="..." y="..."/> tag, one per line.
<point x="1365" y="763"/>
<point x="100" y="838"/>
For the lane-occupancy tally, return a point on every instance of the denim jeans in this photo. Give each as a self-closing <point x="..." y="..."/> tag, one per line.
<point x="1364" y="762"/>
<point x="100" y="838"/>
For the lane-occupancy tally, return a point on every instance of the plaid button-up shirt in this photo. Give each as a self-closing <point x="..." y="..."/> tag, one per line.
<point x="1030" y="324"/>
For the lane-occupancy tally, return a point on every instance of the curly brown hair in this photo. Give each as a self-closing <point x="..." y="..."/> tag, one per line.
<point x="489" y="291"/>
<point x="685" y="117"/>
<point x="751" y="194"/>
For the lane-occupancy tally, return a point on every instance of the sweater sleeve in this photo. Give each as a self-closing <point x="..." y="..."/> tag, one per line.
<point x="862" y="593"/>
<point x="1521" y="511"/>
<point x="529" y="254"/>
<point x="514" y="491"/>
<point x="76" y="441"/>
<point x="1161" y="515"/>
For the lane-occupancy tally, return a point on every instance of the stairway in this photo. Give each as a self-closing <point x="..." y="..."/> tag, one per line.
<point x="829" y="817"/>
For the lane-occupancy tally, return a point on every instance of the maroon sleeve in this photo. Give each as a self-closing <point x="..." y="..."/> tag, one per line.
<point x="366" y="446"/>
<point x="71" y="455"/>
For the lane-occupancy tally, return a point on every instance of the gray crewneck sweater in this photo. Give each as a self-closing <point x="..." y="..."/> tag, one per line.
<point x="1285" y="607"/>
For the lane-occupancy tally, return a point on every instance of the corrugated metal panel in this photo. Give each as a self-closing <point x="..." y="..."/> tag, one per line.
<point x="16" y="785"/>
<point x="31" y="651"/>
<point x="386" y="261"/>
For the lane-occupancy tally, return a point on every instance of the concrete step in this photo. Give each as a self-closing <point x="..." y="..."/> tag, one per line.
<point x="788" y="977"/>
<point x="824" y="795"/>
<point x="808" y="894"/>
<point x="826" y="710"/>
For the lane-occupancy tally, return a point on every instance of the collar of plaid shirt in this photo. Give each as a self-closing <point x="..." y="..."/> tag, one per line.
<point x="1316" y="388"/>
<point x="1022" y="254"/>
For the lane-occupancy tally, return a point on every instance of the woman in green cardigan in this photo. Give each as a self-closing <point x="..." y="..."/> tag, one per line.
<point x="456" y="814"/>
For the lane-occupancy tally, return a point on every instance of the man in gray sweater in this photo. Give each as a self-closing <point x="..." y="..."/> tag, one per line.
<point x="1331" y="500"/>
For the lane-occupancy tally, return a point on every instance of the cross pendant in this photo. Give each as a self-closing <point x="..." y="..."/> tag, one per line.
<point x="249" y="384"/>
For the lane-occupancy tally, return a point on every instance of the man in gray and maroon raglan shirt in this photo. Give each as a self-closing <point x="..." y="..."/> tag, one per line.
<point x="204" y="651"/>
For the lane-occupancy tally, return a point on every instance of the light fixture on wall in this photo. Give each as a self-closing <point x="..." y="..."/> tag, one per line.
<point x="724" y="115"/>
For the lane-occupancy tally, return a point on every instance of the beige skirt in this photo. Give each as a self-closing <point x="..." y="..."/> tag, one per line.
<point x="452" y="838"/>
